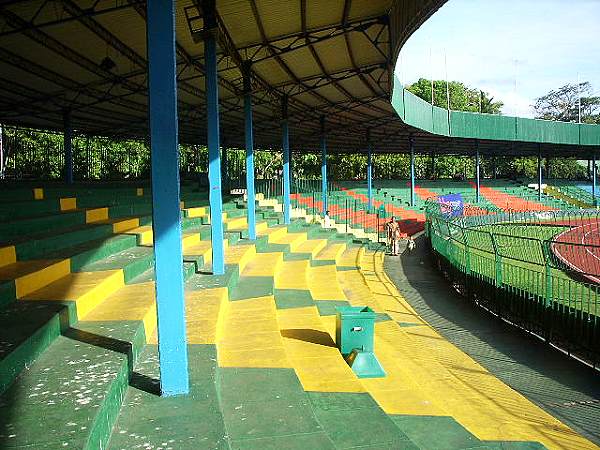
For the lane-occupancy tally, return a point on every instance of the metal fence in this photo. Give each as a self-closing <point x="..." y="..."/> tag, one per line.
<point x="518" y="265"/>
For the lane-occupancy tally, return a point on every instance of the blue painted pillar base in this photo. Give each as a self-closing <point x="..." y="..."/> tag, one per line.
<point x="166" y="214"/>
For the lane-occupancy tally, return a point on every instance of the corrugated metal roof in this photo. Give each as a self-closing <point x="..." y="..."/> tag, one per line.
<point x="332" y="58"/>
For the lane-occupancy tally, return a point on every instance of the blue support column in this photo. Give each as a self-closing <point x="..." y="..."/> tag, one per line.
<point x="411" y="143"/>
<point x="214" y="160"/>
<point x="539" y="172"/>
<point x="287" y="206"/>
<point x="224" y="165"/>
<point x="166" y="215"/>
<point x="477" y="173"/>
<point x="249" y="155"/>
<point x="323" y="167"/>
<point x="68" y="147"/>
<point x="369" y="172"/>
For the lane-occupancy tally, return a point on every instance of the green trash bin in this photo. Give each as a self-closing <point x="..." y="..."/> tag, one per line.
<point x="354" y="333"/>
<point x="354" y="328"/>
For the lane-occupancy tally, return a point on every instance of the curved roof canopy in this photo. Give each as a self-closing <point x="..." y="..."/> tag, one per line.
<point x="331" y="58"/>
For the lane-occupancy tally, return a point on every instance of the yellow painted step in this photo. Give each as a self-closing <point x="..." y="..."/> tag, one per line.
<point x="131" y="224"/>
<point x="201" y="211"/>
<point x="427" y="375"/>
<point x="68" y="203"/>
<point x="351" y="257"/>
<point x="202" y="248"/>
<point x="293" y="275"/>
<point x="264" y="265"/>
<point x="35" y="274"/>
<point x="312" y="352"/>
<point x="294" y="240"/>
<point x="96" y="215"/>
<point x="312" y="246"/>
<point x="8" y="255"/>
<point x="331" y="252"/>
<point x="203" y="312"/>
<point x="237" y="223"/>
<point x="38" y="194"/>
<point x="249" y="335"/>
<point x="273" y="233"/>
<point x="323" y="284"/>
<point x="144" y="234"/>
<point x="86" y="289"/>
<point x="130" y="302"/>
<point x="240" y="255"/>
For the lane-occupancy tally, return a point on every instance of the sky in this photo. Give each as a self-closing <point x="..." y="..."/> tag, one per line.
<point x="516" y="50"/>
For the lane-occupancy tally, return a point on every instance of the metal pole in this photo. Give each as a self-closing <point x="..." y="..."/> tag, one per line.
<point x="68" y="147"/>
<point x="539" y="172"/>
<point x="369" y="171"/>
<point x="286" y="161"/>
<point x="214" y="161"/>
<point x="250" y="192"/>
<point x="594" y="178"/>
<point x="166" y="215"/>
<point x="323" y="166"/>
<point x="477" y="172"/>
<point x="411" y="143"/>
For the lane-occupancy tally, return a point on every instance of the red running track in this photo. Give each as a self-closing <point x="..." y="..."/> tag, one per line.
<point x="579" y="248"/>
<point x="506" y="201"/>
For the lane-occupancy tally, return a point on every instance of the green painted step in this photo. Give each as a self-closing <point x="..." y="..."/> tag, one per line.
<point x="55" y="222"/>
<point x="357" y="421"/>
<point x="449" y="434"/>
<point x="268" y="408"/>
<point x="26" y="330"/>
<point x="185" y="422"/>
<point x="72" y="394"/>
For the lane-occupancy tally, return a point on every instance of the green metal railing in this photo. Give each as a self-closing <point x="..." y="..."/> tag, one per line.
<point x="506" y="262"/>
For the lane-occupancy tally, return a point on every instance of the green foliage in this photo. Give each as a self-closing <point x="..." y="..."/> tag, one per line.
<point x="462" y="98"/>
<point x="563" y="104"/>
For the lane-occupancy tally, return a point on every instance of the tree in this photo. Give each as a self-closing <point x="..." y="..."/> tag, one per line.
<point x="462" y="97"/>
<point x="562" y="104"/>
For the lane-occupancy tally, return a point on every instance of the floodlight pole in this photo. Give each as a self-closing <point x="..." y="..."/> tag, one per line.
<point x="250" y="190"/>
<point x="285" y="144"/>
<point x="539" y="172"/>
<point x="477" y="172"/>
<point x="166" y="214"/>
<point x="369" y="171"/>
<point x="214" y="160"/>
<point x="323" y="166"/>
<point x="68" y="146"/>
<point x="594" y="177"/>
<point x="411" y="144"/>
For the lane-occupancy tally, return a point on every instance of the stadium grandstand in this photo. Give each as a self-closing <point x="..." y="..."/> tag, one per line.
<point x="194" y="305"/>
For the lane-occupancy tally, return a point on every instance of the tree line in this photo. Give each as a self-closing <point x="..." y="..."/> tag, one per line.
<point x="39" y="154"/>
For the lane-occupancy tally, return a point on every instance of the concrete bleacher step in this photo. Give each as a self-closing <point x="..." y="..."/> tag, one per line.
<point x="97" y="279"/>
<point x="70" y="396"/>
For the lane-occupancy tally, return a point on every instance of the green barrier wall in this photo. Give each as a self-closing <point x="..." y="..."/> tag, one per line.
<point x="418" y="113"/>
